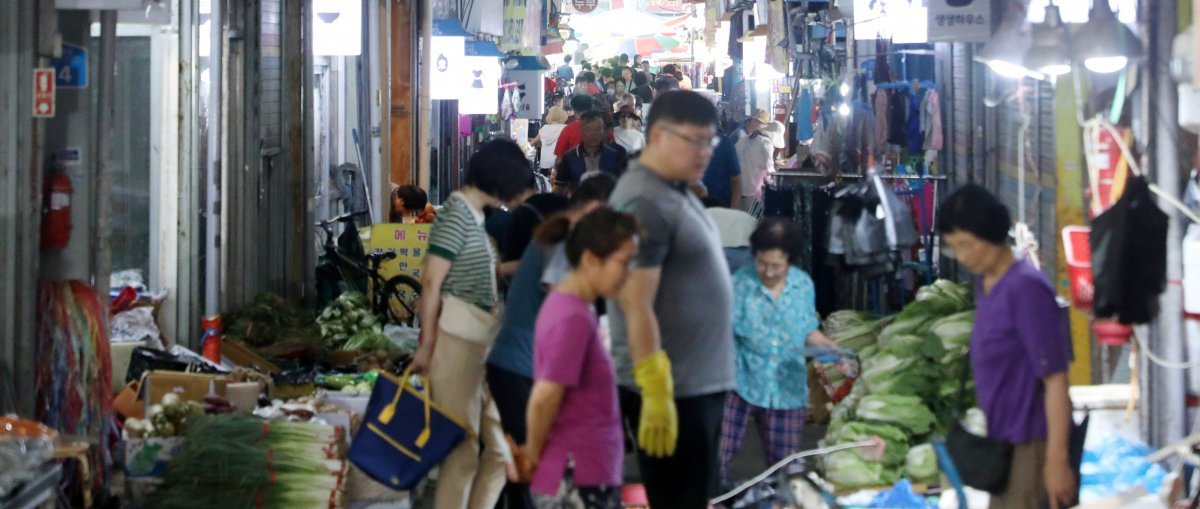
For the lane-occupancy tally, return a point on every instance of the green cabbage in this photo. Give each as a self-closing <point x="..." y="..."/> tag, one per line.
<point x="847" y="469"/>
<point x="907" y="412"/>
<point x="888" y="373"/>
<point x="921" y="465"/>
<point x="857" y="431"/>
<point x="954" y="331"/>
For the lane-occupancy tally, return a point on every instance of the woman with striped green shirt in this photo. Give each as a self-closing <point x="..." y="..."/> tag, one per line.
<point x="459" y="322"/>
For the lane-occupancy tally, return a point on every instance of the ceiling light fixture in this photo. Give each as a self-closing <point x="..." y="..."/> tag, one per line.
<point x="1005" y="53"/>
<point x="1050" y="54"/>
<point x="1104" y="44"/>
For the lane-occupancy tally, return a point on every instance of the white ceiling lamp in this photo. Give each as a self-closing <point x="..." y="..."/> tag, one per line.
<point x="1005" y="53"/>
<point x="1104" y="44"/>
<point x="1050" y="54"/>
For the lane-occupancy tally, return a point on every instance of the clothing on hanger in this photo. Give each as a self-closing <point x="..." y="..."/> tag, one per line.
<point x="931" y="120"/>
<point x="882" y="115"/>
<point x="802" y="114"/>
<point x="897" y="117"/>
<point x="912" y="128"/>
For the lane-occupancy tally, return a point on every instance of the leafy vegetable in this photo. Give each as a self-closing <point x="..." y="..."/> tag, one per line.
<point x="907" y="412"/>
<point x="888" y="373"/>
<point x="911" y="346"/>
<point x="857" y="431"/>
<point x="921" y="465"/>
<point x="347" y="324"/>
<point x="847" y="469"/>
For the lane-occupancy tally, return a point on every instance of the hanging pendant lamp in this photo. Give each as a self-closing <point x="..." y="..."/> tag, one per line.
<point x="1050" y="52"/>
<point x="1005" y="53"/>
<point x="1104" y="44"/>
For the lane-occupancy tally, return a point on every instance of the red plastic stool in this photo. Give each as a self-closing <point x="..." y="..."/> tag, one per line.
<point x="633" y="496"/>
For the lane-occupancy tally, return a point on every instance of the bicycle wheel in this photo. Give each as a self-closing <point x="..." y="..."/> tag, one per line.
<point x="400" y="293"/>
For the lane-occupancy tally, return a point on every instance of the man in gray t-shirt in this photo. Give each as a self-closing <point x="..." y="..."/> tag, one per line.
<point x="671" y="326"/>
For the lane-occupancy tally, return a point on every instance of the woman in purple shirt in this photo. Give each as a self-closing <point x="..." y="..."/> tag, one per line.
<point x="573" y="414"/>
<point x="1017" y="356"/>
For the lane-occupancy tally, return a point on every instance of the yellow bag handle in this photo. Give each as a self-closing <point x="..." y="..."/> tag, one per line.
<point x="389" y="411"/>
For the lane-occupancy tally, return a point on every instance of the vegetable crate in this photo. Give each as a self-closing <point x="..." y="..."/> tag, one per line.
<point x="148" y="457"/>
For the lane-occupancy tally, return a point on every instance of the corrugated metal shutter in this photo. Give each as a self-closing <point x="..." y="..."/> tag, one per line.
<point x="270" y="80"/>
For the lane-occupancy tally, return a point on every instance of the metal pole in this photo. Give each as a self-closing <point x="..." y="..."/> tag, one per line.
<point x="212" y="202"/>
<point x="425" y="114"/>
<point x="101" y="259"/>
<point x="1167" y="412"/>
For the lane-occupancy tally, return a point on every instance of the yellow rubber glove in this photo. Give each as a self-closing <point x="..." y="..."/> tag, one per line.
<point x="658" y="429"/>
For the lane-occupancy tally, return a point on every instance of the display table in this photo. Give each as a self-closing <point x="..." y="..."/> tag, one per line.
<point x="37" y="491"/>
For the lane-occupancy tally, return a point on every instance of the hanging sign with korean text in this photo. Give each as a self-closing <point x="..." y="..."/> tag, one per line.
<point x="960" y="20"/>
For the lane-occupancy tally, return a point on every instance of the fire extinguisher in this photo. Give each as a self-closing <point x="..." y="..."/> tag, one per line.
<point x="56" y="211"/>
<point x="781" y="111"/>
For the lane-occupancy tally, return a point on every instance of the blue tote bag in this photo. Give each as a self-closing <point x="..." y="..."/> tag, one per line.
<point x="403" y="434"/>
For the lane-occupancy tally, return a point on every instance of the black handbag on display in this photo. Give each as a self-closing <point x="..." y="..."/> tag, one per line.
<point x="983" y="463"/>
<point x="146" y="359"/>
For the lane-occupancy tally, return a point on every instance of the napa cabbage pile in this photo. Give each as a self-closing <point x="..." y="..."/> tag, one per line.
<point x="908" y="387"/>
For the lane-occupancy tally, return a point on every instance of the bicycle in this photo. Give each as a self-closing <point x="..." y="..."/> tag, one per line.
<point x="345" y="265"/>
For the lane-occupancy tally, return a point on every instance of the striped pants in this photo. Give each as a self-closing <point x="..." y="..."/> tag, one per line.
<point x="779" y="430"/>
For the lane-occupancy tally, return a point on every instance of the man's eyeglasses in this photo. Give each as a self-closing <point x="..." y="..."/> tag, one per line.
<point x="697" y="144"/>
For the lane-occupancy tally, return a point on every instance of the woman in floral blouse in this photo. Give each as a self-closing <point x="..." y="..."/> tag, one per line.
<point x="774" y="316"/>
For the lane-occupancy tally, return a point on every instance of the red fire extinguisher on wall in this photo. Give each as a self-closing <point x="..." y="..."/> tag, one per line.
<point x="781" y="111"/>
<point x="56" y="211"/>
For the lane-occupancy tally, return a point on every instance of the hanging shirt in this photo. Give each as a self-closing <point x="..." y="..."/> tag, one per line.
<point x="897" y="118"/>
<point x="803" y="117"/>
<point x="912" y="128"/>
<point x="767" y="332"/>
<point x="931" y="120"/>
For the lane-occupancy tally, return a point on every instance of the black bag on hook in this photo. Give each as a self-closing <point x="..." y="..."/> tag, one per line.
<point x="1129" y="256"/>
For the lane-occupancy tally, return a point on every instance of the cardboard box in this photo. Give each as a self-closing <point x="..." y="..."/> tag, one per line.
<point x="189" y="386"/>
<point x="148" y="457"/>
<point x="238" y="354"/>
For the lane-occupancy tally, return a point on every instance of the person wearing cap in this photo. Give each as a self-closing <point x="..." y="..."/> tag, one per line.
<point x="757" y="120"/>
<point x="628" y="133"/>
<point x="756" y="156"/>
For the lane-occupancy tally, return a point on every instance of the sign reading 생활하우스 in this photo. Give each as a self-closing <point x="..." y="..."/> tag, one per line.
<point x="960" y="20"/>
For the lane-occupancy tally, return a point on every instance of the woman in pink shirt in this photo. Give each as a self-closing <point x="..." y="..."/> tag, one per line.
<point x="573" y="415"/>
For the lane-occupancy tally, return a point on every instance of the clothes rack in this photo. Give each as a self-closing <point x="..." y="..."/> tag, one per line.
<point x="906" y="84"/>
<point x="846" y="176"/>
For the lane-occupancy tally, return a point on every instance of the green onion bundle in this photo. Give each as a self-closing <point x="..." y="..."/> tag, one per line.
<point x="240" y="461"/>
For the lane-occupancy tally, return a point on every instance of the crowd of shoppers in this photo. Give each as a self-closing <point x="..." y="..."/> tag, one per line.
<point x="645" y="230"/>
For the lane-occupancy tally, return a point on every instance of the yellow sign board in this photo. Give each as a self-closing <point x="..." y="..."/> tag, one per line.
<point x="408" y="241"/>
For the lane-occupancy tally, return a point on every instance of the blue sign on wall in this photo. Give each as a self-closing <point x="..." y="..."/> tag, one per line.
<point x="72" y="68"/>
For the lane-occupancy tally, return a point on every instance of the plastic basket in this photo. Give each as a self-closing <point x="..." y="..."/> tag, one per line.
<point x="1079" y="265"/>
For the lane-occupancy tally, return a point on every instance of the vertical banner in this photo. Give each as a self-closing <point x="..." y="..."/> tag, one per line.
<point x="777" y="50"/>
<point x="960" y="20"/>
<point x="514" y="25"/>
<point x="478" y="94"/>
<point x="447" y="73"/>
<point x="532" y="104"/>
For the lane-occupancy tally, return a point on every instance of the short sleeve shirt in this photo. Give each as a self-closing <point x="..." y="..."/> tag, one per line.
<point x="767" y="333"/>
<point x="459" y="237"/>
<point x="722" y="167"/>
<point x="1016" y="342"/>
<point x="694" y="301"/>
<point x="568" y="351"/>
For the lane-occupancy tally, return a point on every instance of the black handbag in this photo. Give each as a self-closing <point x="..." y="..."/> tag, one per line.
<point x="146" y="359"/>
<point x="983" y="463"/>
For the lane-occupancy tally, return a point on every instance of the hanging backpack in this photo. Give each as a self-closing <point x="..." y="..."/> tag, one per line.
<point x="1129" y="256"/>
